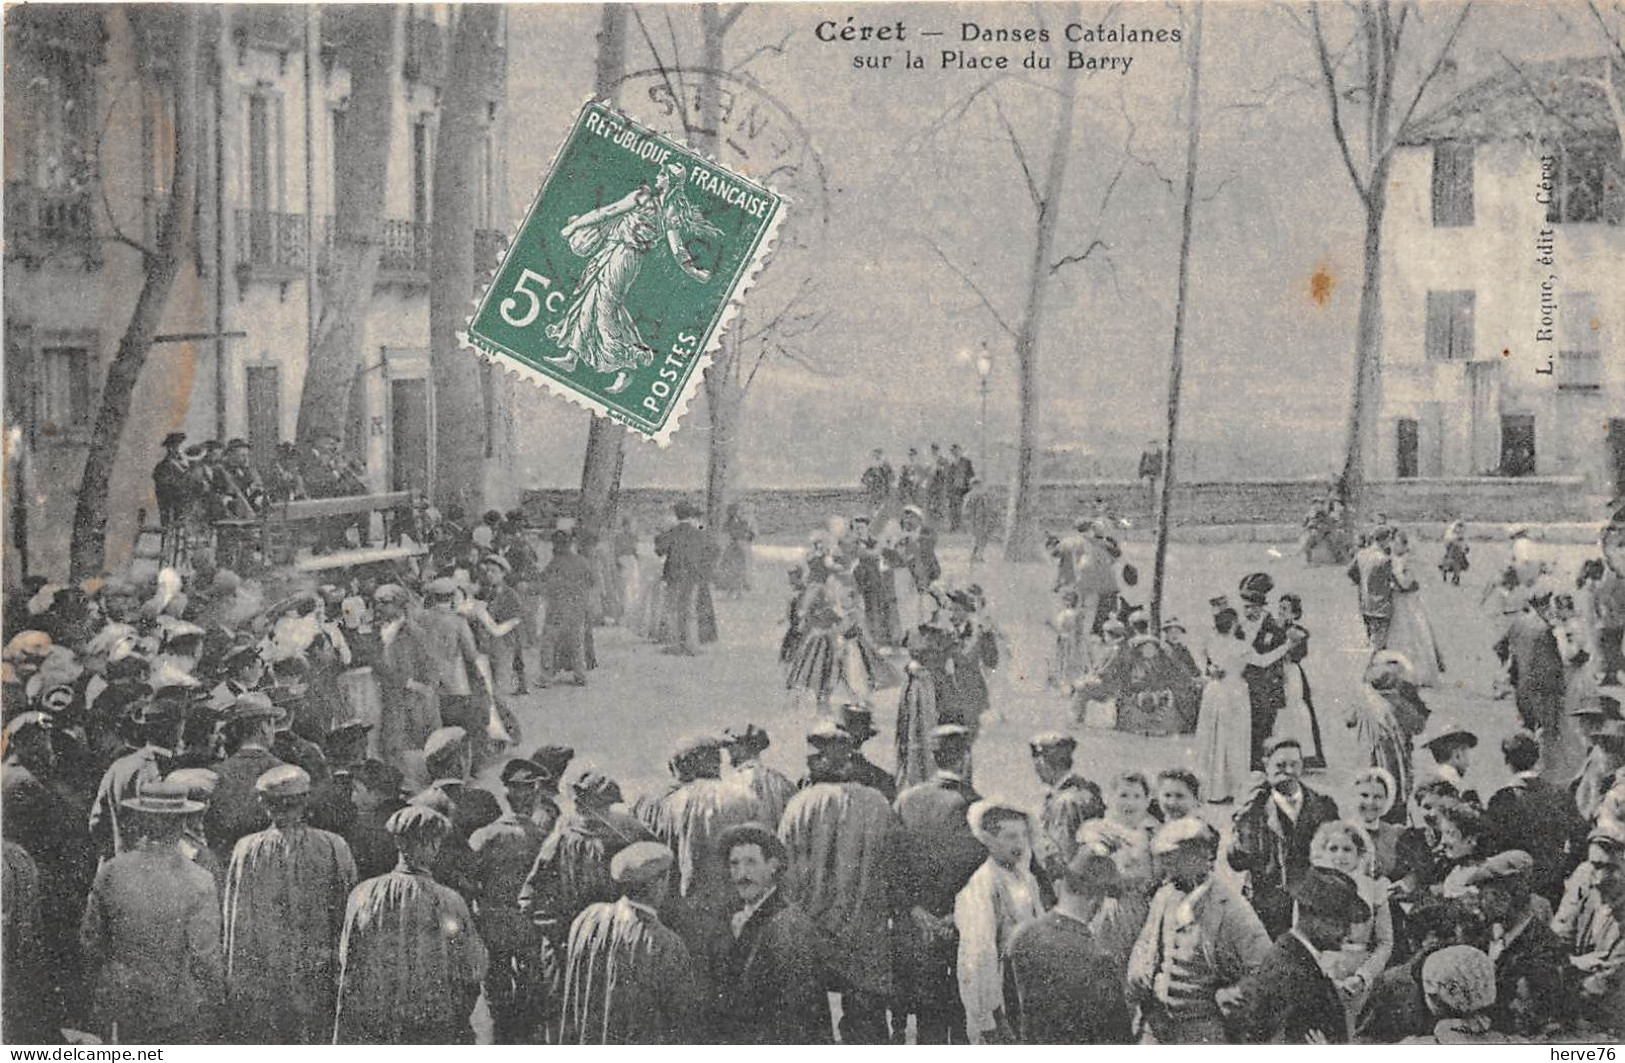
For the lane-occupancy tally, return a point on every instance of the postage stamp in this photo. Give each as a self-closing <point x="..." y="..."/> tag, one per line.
<point x="625" y="272"/>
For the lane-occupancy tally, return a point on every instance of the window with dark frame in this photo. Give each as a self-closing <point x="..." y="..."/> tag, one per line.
<point x="1449" y="327"/>
<point x="1406" y="447"/>
<point x="1452" y="183"/>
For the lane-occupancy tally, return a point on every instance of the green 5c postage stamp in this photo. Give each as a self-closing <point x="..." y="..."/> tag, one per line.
<point x="625" y="271"/>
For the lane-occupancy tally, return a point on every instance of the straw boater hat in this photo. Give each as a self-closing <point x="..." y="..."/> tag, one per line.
<point x="164" y="798"/>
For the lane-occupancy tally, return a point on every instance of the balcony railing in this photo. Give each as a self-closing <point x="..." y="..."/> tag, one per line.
<point x="425" y="51"/>
<point x="405" y="255"/>
<point x="41" y="222"/>
<point x="270" y="246"/>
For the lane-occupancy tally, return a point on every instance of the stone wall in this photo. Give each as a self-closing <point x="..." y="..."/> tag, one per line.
<point x="1271" y="503"/>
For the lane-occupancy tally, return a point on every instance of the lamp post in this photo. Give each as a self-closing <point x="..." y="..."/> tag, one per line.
<point x="984" y="369"/>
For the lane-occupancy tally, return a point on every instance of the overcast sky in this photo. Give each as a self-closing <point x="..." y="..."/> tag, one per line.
<point x="1267" y="367"/>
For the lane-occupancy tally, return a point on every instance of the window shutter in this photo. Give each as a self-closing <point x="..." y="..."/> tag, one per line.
<point x="1436" y="336"/>
<point x="1461" y="327"/>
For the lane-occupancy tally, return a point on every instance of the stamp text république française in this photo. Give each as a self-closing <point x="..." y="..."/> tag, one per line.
<point x="850" y="30"/>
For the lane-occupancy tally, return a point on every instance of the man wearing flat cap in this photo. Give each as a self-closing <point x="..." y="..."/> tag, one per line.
<point x="1199" y="940"/>
<point x="937" y="855"/>
<point x="1590" y="924"/>
<point x="1069" y="800"/>
<point x="690" y="817"/>
<point x="504" y="853"/>
<point x="571" y="871"/>
<point x="284" y="907"/>
<point x="771" y="788"/>
<point x="151" y="930"/>
<point x="1288" y="999"/>
<point x="1062" y="984"/>
<point x="1516" y="932"/>
<point x="841" y="840"/>
<point x="630" y="979"/>
<point x="236" y="811"/>
<point x="771" y="990"/>
<point x="410" y="961"/>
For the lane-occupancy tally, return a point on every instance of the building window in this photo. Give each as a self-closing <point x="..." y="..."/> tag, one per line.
<point x="66" y="398"/>
<point x="1517" y="444"/>
<point x="1587" y="184"/>
<point x="1452" y="183"/>
<point x="1580" y="342"/>
<point x="1405" y="439"/>
<point x="1449" y="327"/>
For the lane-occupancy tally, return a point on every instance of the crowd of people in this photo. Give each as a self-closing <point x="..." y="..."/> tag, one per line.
<point x="237" y="812"/>
<point x="941" y="485"/>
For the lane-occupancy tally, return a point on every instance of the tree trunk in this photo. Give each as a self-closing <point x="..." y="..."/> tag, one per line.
<point x="606" y="440"/>
<point x="720" y="399"/>
<point x="459" y="388"/>
<point x="1367" y="352"/>
<point x="87" y="550"/>
<point x="1022" y="541"/>
<point x="369" y="47"/>
<point x="1176" y="359"/>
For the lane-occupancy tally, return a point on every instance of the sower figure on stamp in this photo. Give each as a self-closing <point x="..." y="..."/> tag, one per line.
<point x="596" y="327"/>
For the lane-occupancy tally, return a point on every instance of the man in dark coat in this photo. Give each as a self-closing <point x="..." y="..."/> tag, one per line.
<point x="172" y="484"/>
<point x="1273" y="830"/>
<point x="236" y="810"/>
<point x="1535" y="816"/>
<point x="937" y="855"/>
<point x="771" y="990"/>
<point x="960" y="474"/>
<point x="1372" y="571"/>
<point x="859" y="722"/>
<point x="1288" y="999"/>
<point x="1060" y="982"/>
<point x="1266" y="685"/>
<point x="504" y="853"/>
<point x="1536" y="665"/>
<point x="1069" y="800"/>
<point x="690" y="555"/>
<point x="877" y="482"/>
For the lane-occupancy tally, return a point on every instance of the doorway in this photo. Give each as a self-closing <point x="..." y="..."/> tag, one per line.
<point x="409" y="434"/>
<point x="1405" y="449"/>
<point x="1518" y="444"/>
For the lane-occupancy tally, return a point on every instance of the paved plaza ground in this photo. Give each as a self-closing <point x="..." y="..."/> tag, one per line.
<point x="639" y="701"/>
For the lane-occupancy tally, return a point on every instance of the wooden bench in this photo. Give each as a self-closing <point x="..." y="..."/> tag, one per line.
<point x="283" y="524"/>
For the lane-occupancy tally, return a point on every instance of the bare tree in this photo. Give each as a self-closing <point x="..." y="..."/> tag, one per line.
<point x="1045" y="193"/>
<point x="367" y="39"/>
<point x="606" y="440"/>
<point x="1364" y="73"/>
<point x="459" y="378"/>
<point x="87" y="551"/>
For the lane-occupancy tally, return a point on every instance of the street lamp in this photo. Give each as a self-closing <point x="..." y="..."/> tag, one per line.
<point x="984" y="369"/>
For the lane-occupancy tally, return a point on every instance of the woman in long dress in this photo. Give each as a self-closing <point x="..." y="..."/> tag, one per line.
<point x="596" y="328"/>
<point x="733" y="568"/>
<point x="929" y="647"/>
<point x="1410" y="633"/>
<point x="1299" y="719"/>
<point x="1224" y="722"/>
